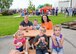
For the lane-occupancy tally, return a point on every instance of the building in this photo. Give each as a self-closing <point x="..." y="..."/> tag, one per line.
<point x="63" y="5"/>
<point x="73" y="3"/>
<point x="66" y="3"/>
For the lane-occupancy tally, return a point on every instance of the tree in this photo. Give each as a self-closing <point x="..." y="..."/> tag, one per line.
<point x="31" y="7"/>
<point x="47" y="4"/>
<point x="40" y="6"/>
<point x="5" y="4"/>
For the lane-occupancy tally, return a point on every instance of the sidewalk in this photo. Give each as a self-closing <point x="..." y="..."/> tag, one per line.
<point x="69" y="41"/>
<point x="6" y="44"/>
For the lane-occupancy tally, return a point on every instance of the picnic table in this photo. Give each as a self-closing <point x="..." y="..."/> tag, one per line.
<point x="34" y="33"/>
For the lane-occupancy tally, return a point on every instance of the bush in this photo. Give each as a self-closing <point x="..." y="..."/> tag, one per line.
<point x="7" y="12"/>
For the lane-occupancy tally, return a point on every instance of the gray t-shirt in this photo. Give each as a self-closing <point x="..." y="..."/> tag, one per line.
<point x="41" y="44"/>
<point x="36" y="27"/>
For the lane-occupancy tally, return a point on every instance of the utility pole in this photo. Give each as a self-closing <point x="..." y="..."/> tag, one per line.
<point x="71" y="3"/>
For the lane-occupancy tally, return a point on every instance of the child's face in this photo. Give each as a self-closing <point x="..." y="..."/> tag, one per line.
<point x="42" y="30"/>
<point x="57" y="31"/>
<point x="35" y="22"/>
<point x="20" y="36"/>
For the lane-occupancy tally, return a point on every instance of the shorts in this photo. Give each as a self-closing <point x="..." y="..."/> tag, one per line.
<point x="55" y="52"/>
<point x="41" y="51"/>
<point x="20" y="49"/>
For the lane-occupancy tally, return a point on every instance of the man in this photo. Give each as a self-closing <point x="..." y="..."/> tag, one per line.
<point x="25" y="24"/>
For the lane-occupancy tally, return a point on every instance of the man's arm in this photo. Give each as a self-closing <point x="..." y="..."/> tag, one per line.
<point x="22" y="28"/>
<point x="31" y="26"/>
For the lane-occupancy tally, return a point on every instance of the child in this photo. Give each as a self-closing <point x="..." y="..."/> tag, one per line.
<point x="57" y="41"/>
<point x="41" y="42"/>
<point x="19" y="41"/>
<point x="36" y="25"/>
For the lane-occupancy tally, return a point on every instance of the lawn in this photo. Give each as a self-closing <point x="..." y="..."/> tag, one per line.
<point x="9" y="24"/>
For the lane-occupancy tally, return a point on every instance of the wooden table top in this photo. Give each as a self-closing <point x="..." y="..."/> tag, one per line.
<point x="33" y="33"/>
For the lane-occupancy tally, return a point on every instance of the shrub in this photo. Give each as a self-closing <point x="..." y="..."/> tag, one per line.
<point x="7" y="12"/>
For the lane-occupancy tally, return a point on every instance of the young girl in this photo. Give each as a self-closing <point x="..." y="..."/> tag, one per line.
<point x="19" y="41"/>
<point x="41" y="42"/>
<point x="57" y="40"/>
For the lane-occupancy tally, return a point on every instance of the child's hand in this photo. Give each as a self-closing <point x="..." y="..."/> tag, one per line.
<point x="39" y="39"/>
<point x="19" y="44"/>
<point x="43" y="39"/>
<point x="60" y="42"/>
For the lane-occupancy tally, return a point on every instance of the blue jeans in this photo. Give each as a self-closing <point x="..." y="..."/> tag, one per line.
<point x="41" y="51"/>
<point x="55" y="52"/>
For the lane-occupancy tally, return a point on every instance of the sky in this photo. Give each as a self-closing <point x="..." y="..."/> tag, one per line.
<point x="24" y="3"/>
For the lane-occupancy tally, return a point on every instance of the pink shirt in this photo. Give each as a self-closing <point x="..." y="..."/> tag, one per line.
<point x="23" y="40"/>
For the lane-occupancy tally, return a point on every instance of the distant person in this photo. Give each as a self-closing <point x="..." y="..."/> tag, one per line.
<point x="70" y="10"/>
<point x="46" y="22"/>
<point x="53" y="11"/>
<point x="66" y="12"/>
<point x="25" y="11"/>
<point x="61" y="9"/>
<point x="48" y="12"/>
<point x="57" y="40"/>
<point x="41" y="42"/>
<point x="22" y="13"/>
<point x="74" y="11"/>
<point x="20" y="41"/>
<point x="26" y="24"/>
<point x="36" y="26"/>
<point x="56" y="11"/>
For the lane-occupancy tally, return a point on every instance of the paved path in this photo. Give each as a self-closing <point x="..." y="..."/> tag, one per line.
<point x="69" y="42"/>
<point x="6" y="45"/>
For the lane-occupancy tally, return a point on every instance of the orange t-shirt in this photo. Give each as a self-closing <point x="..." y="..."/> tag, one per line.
<point x="47" y="25"/>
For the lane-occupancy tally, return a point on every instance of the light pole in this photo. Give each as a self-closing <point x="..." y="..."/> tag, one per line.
<point x="71" y="3"/>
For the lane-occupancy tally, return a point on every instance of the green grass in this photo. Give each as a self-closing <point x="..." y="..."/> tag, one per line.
<point x="9" y="24"/>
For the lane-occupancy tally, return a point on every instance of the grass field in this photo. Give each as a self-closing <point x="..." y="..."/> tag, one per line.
<point x="9" y="24"/>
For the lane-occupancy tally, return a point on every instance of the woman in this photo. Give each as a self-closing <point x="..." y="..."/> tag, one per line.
<point x="46" y="22"/>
